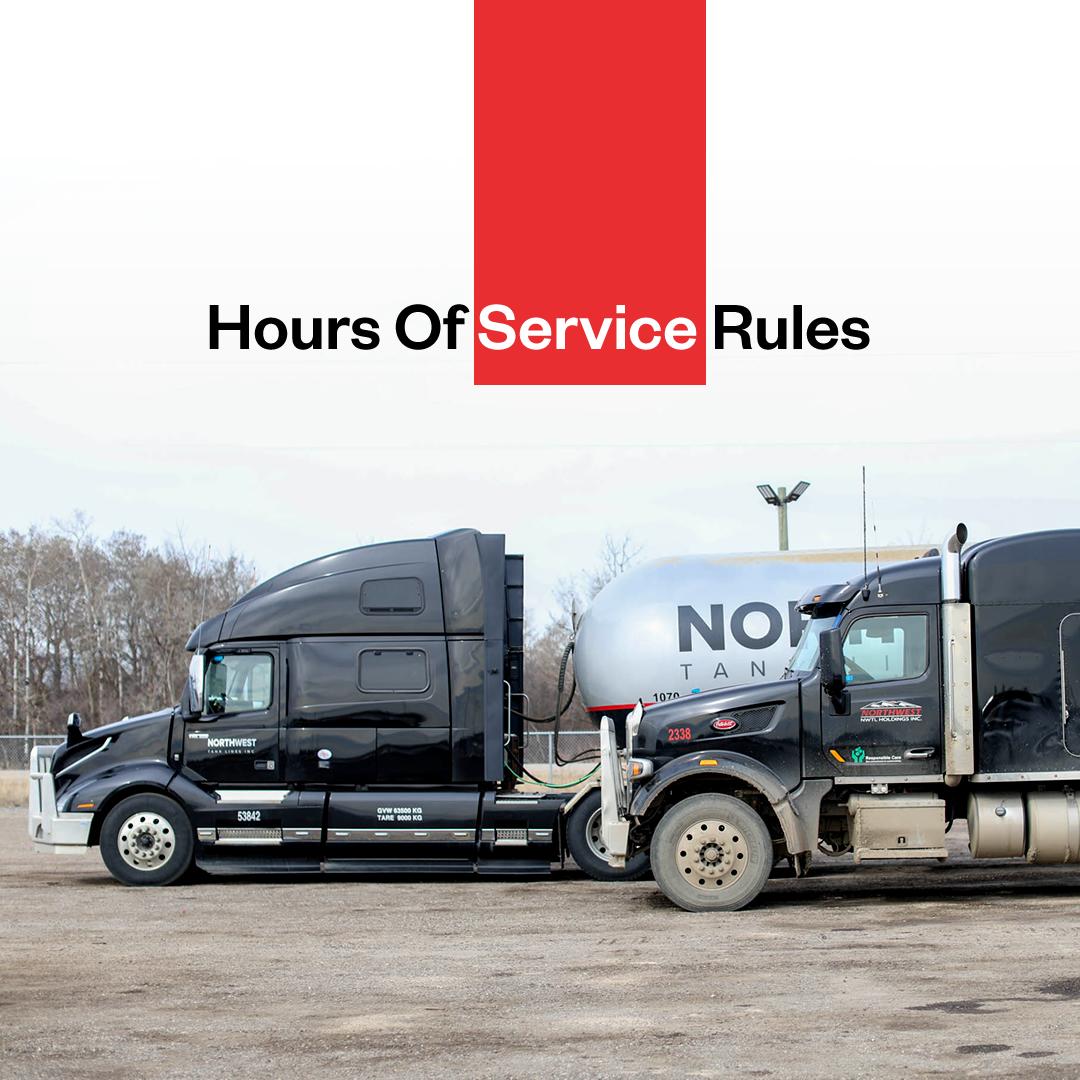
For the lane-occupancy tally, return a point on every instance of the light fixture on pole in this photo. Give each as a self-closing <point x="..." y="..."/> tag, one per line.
<point x="780" y="500"/>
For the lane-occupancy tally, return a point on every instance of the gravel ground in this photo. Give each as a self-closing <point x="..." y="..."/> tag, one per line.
<point x="934" y="969"/>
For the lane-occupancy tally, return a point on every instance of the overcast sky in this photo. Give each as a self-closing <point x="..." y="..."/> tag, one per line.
<point x="921" y="172"/>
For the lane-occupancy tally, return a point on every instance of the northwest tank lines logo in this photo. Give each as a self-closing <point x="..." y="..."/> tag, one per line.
<point x="890" y="712"/>
<point x="223" y="742"/>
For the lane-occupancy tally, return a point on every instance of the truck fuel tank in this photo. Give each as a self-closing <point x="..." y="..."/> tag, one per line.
<point x="1044" y="826"/>
<point x="677" y="626"/>
<point x="996" y="824"/>
<point x="1053" y="827"/>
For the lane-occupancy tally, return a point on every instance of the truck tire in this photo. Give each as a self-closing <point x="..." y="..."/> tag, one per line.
<point x="587" y="848"/>
<point x="146" y="840"/>
<point x="711" y="853"/>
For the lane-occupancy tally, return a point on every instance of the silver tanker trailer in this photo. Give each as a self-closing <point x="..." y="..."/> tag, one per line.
<point x="681" y="625"/>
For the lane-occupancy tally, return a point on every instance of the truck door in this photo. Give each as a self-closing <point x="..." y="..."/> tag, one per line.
<point x="235" y="741"/>
<point x="889" y="722"/>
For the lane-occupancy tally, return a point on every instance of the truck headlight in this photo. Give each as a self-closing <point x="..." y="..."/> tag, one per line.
<point x="638" y="769"/>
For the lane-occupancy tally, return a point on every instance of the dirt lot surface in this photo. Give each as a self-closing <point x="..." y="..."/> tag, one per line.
<point x="13" y="785"/>
<point x="962" y="968"/>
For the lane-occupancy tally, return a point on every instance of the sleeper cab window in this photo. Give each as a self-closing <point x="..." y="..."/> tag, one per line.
<point x="884" y="648"/>
<point x="392" y="596"/>
<point x="393" y="671"/>
<point x="239" y="682"/>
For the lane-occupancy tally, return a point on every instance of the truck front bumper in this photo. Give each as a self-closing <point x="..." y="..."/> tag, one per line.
<point x="614" y="824"/>
<point x="60" y="834"/>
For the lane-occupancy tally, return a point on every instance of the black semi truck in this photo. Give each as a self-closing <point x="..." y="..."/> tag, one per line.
<point x="943" y="688"/>
<point x="360" y="713"/>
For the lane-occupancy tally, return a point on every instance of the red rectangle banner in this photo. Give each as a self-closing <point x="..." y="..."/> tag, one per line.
<point x="590" y="192"/>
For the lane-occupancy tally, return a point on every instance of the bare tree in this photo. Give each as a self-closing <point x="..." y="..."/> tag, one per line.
<point x="545" y="645"/>
<point x="100" y="626"/>
<point x="574" y="593"/>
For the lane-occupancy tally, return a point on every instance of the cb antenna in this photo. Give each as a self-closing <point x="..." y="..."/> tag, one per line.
<point x="865" y="589"/>
<point x="205" y="582"/>
<point x="205" y="586"/>
<point x="877" y="562"/>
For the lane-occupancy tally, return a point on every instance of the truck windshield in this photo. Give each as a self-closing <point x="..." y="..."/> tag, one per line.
<point x="806" y="652"/>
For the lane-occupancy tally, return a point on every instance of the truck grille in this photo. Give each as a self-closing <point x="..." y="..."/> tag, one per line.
<point x="751" y="720"/>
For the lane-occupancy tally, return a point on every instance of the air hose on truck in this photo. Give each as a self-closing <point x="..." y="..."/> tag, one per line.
<point x="554" y="719"/>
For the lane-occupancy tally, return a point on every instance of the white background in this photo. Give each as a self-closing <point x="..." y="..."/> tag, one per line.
<point x="914" y="166"/>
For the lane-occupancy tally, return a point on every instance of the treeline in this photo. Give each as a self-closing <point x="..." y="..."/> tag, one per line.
<point x="545" y="641"/>
<point x="98" y="625"/>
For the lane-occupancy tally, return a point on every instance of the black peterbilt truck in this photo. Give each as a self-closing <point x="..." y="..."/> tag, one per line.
<point x="939" y="689"/>
<point x="359" y="713"/>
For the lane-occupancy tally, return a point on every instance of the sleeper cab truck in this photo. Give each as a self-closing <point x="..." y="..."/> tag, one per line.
<point x="358" y="713"/>
<point x="943" y="688"/>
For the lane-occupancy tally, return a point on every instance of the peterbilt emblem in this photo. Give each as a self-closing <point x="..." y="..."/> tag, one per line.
<point x="725" y="723"/>
<point x="325" y="755"/>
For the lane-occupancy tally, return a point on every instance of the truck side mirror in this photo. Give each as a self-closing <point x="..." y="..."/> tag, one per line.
<point x="832" y="663"/>
<point x="191" y="695"/>
<point x="187" y="710"/>
<point x="74" y="729"/>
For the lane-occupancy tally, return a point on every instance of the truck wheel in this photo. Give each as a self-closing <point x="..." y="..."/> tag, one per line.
<point x="587" y="847"/>
<point x="711" y="853"/>
<point x="146" y="840"/>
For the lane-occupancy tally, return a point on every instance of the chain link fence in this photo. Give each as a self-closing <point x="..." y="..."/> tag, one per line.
<point x="15" y="749"/>
<point x="580" y="748"/>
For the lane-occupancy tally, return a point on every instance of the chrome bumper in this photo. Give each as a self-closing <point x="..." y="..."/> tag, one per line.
<point x="56" y="833"/>
<point x="615" y="788"/>
<point x="614" y="824"/>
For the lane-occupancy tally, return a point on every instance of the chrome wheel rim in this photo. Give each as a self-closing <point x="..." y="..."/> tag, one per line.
<point x="146" y="841"/>
<point x="593" y="839"/>
<point x="712" y="854"/>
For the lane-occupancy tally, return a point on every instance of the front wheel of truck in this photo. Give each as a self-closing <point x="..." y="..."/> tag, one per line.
<point x="147" y="840"/>
<point x="587" y="845"/>
<point x="711" y="853"/>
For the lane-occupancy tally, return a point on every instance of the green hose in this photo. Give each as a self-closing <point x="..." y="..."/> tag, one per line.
<point x="529" y="779"/>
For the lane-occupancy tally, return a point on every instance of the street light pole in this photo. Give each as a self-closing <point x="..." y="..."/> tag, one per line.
<point x="780" y="500"/>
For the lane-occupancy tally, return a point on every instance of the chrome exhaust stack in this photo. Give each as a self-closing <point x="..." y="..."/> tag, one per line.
<point x="950" y="563"/>
<point x="956" y="656"/>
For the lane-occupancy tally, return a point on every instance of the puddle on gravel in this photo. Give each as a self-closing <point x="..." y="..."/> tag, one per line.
<point x="967" y="1005"/>
<point x="1067" y="989"/>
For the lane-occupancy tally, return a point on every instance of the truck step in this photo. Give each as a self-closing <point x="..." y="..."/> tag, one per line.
<point x="422" y="867"/>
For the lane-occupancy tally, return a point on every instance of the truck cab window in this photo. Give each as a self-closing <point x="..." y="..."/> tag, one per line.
<point x="239" y="682"/>
<point x="805" y="658"/>
<point x="883" y="648"/>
